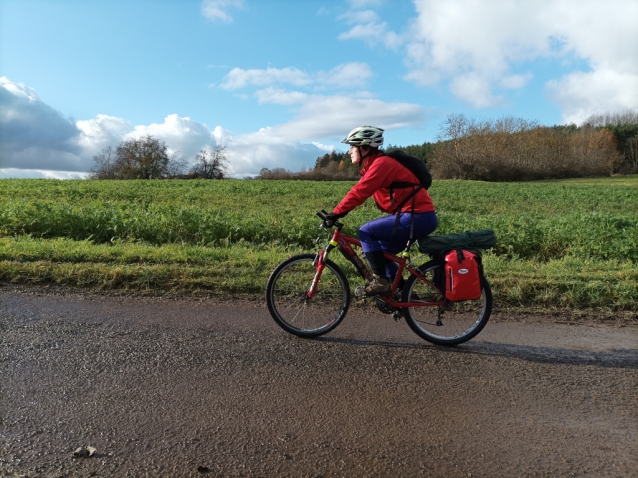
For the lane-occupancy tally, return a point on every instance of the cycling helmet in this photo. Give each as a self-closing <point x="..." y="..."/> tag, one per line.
<point x="365" y="136"/>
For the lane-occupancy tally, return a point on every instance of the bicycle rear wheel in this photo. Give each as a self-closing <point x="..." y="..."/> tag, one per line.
<point x="293" y="310"/>
<point x="452" y="324"/>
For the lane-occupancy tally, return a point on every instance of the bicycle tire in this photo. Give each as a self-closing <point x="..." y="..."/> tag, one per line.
<point x="453" y="324"/>
<point x="293" y="310"/>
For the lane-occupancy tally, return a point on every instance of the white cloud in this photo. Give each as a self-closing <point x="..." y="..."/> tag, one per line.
<point x="460" y="36"/>
<point x="31" y="131"/>
<point x="372" y="32"/>
<point x="318" y="120"/>
<point x="475" y="89"/>
<point x="19" y="90"/>
<point x="515" y="81"/>
<point x="38" y="142"/>
<point x="218" y="9"/>
<point x="183" y="136"/>
<point x="333" y="116"/>
<point x="482" y="41"/>
<point x="475" y="46"/>
<point x="347" y="75"/>
<point x="582" y="94"/>
<point x="248" y="158"/>
<point x="325" y="147"/>
<point x="353" y="17"/>
<point x="34" y="137"/>
<point x="222" y="136"/>
<point x="367" y="25"/>
<point x="238" y="78"/>
<point x="41" y="157"/>
<point x="294" y="145"/>
<point x="280" y="97"/>
<point x="100" y="132"/>
<point x="12" y="173"/>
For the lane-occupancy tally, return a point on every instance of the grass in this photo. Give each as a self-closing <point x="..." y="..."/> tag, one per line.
<point x="242" y="268"/>
<point x="571" y="243"/>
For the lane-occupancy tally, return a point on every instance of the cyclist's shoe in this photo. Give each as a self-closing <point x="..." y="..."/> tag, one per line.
<point x="360" y="292"/>
<point x="378" y="286"/>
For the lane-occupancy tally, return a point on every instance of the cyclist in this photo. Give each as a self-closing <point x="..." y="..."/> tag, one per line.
<point x="417" y="216"/>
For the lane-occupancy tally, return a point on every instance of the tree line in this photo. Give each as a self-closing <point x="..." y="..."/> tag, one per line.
<point x="513" y="149"/>
<point x="508" y="149"/>
<point x="504" y="149"/>
<point x="149" y="158"/>
<point x="624" y="125"/>
<point x="336" y="166"/>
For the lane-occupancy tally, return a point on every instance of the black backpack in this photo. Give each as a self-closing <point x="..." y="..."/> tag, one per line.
<point x="414" y="164"/>
<point x="420" y="170"/>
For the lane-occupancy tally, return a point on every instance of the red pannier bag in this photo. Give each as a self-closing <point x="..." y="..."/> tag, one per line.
<point x="462" y="275"/>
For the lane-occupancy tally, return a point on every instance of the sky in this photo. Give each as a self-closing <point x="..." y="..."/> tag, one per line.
<point x="281" y="82"/>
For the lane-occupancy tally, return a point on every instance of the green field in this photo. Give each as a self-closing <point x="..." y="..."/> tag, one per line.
<point x="570" y="243"/>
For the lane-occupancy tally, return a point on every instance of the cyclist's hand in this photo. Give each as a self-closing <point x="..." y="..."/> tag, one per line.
<point x="331" y="218"/>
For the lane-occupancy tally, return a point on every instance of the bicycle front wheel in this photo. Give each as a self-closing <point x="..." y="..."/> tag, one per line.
<point x="452" y="324"/>
<point x="290" y="306"/>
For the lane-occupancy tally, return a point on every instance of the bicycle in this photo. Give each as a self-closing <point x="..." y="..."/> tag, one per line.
<point x="308" y="295"/>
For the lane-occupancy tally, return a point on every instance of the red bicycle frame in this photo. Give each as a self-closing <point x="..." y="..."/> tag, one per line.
<point x="345" y="243"/>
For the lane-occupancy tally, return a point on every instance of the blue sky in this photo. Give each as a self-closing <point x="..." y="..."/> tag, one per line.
<point x="280" y="82"/>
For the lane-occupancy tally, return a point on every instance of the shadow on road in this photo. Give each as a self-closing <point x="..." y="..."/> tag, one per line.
<point x="614" y="358"/>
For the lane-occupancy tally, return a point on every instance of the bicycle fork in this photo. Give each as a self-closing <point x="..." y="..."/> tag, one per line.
<point x="320" y="264"/>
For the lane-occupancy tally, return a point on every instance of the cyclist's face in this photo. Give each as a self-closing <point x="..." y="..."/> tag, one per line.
<point x="355" y="156"/>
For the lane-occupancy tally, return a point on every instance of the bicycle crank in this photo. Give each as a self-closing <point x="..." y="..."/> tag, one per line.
<point x="386" y="308"/>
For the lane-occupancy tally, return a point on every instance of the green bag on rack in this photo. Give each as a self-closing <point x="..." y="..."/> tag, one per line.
<point x="471" y="240"/>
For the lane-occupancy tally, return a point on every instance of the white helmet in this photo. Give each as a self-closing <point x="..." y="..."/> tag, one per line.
<point x="365" y="136"/>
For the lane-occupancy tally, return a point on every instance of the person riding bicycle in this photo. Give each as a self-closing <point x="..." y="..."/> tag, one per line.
<point x="417" y="216"/>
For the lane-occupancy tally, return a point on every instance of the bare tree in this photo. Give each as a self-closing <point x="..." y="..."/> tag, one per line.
<point x="631" y="153"/>
<point x="513" y="149"/>
<point x="211" y="163"/>
<point x="176" y="167"/>
<point x="104" y="167"/>
<point x="624" y="124"/>
<point x="617" y="118"/>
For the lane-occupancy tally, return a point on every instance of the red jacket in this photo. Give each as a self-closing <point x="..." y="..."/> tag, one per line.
<point x="377" y="175"/>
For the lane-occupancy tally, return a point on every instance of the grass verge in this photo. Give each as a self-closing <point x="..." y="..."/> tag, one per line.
<point x="567" y="282"/>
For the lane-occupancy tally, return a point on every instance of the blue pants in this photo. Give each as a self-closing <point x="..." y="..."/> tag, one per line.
<point x="377" y="235"/>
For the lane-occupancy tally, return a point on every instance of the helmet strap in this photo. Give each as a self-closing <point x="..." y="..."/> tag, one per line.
<point x="366" y="155"/>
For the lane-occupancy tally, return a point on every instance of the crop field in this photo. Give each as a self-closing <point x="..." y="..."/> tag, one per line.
<point x="571" y="243"/>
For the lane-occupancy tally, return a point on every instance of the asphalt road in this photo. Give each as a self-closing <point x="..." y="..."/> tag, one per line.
<point x="165" y="387"/>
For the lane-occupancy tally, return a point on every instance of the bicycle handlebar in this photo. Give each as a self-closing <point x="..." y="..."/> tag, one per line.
<point x="326" y="224"/>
